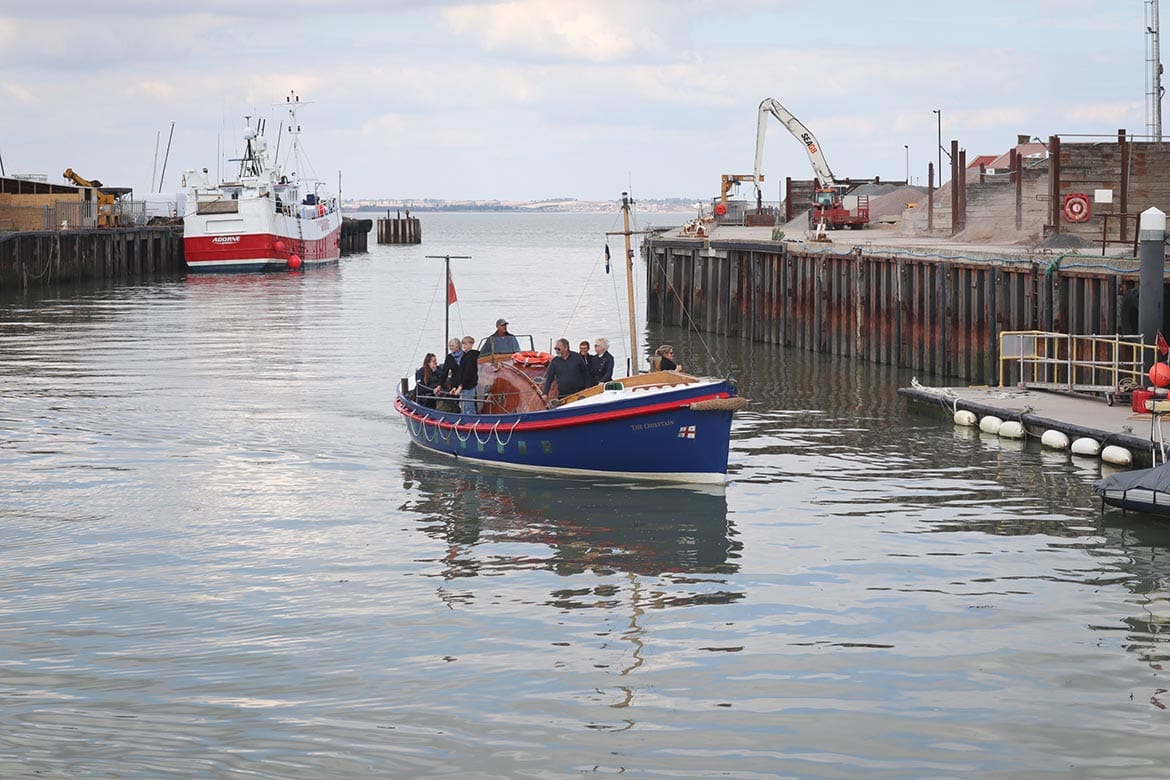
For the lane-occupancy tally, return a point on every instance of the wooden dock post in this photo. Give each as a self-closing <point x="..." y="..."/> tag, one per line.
<point x="399" y="229"/>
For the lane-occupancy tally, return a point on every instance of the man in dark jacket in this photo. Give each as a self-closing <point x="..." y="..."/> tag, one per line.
<point x="568" y="370"/>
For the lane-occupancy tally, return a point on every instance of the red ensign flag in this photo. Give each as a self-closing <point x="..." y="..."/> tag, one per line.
<point x="451" y="296"/>
<point x="1163" y="347"/>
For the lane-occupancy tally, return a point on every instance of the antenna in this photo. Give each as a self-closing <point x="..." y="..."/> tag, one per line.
<point x="1154" y="89"/>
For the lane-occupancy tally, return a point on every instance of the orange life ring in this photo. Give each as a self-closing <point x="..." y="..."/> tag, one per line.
<point x="1076" y="207"/>
<point x="720" y="210"/>
<point x="531" y="359"/>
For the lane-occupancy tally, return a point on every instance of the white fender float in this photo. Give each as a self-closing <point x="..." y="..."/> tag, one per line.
<point x="990" y="424"/>
<point x="1085" y="446"/>
<point x="965" y="418"/>
<point x="1011" y="429"/>
<point x="1118" y="456"/>
<point x="1056" y="440"/>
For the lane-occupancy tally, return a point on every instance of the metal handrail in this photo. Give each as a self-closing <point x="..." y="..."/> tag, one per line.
<point x="1075" y="363"/>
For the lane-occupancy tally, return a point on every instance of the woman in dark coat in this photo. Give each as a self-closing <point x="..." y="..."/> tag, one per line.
<point x="426" y="381"/>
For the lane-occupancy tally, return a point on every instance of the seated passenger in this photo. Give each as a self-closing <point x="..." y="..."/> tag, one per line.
<point x="426" y="381"/>
<point x="665" y="355"/>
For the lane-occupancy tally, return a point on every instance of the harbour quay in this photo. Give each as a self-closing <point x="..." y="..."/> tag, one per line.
<point x="42" y="258"/>
<point x="1041" y="238"/>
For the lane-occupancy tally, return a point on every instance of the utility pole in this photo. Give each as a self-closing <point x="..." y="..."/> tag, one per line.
<point x="907" y="163"/>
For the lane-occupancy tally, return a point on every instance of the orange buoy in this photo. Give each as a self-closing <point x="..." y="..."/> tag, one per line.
<point x="294" y="262"/>
<point x="531" y="359"/>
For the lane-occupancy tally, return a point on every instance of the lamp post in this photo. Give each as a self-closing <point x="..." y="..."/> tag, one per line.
<point x="938" y="111"/>
<point x="907" y="146"/>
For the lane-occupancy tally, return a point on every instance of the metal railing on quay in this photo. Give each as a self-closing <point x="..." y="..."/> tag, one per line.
<point x="1094" y="364"/>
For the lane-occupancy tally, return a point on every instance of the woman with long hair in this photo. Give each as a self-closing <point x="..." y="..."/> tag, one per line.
<point x="426" y="381"/>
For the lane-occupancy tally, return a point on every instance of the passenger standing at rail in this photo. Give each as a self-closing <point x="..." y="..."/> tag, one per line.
<point x="601" y="365"/>
<point x="449" y="376"/>
<point x="468" y="376"/>
<point x="583" y="351"/>
<point x="567" y="369"/>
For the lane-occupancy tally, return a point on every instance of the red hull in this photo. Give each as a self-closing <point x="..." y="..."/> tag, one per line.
<point x="257" y="251"/>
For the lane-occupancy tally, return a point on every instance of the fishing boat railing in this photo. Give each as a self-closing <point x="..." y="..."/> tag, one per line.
<point x="1069" y="363"/>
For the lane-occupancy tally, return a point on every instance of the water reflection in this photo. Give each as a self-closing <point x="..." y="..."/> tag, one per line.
<point x="494" y="523"/>
<point x="1139" y="547"/>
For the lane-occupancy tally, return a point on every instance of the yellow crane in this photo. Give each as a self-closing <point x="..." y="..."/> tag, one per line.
<point x="107" y="213"/>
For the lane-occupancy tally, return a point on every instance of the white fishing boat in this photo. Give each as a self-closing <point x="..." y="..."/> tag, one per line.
<point x="265" y="219"/>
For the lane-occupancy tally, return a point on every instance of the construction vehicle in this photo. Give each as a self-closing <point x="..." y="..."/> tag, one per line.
<point x="107" y="210"/>
<point x="729" y="181"/>
<point x="832" y="207"/>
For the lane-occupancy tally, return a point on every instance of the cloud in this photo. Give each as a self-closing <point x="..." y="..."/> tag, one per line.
<point x="17" y="92"/>
<point x="1112" y="114"/>
<point x="595" y="31"/>
<point x="152" y="90"/>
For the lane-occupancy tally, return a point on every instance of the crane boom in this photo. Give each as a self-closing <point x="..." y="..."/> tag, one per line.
<point x="820" y="165"/>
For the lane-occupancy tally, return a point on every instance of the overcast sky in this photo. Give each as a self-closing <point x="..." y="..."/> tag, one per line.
<point x="534" y="99"/>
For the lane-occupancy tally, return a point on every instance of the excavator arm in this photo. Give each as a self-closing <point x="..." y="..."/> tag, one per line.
<point x="824" y="176"/>
<point x="78" y="180"/>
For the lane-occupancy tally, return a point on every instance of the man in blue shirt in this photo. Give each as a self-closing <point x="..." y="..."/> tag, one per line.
<point x="501" y="342"/>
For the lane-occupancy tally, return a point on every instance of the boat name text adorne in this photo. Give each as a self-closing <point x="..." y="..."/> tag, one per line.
<point x="226" y="240"/>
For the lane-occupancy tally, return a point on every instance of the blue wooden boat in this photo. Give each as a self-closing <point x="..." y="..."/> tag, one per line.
<point x="662" y="424"/>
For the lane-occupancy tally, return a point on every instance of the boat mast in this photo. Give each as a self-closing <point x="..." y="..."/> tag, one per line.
<point x="630" y="282"/>
<point x="447" y="291"/>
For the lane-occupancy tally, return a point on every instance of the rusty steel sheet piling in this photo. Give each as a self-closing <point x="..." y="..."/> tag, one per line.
<point x="940" y="315"/>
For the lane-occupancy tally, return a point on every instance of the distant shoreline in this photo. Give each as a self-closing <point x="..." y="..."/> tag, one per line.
<point x="679" y="205"/>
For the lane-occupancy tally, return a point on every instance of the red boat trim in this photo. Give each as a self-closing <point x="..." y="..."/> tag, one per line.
<point x="558" y="423"/>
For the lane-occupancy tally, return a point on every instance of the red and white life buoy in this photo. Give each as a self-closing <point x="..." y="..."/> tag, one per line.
<point x="1076" y="207"/>
<point x="531" y="359"/>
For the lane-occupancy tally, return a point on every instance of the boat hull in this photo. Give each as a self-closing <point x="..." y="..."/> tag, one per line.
<point x="658" y="436"/>
<point x="251" y="236"/>
<point x="1138" y="500"/>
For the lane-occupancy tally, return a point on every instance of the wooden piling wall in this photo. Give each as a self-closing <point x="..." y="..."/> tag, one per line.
<point x="936" y="315"/>
<point x="399" y="230"/>
<point x="39" y="258"/>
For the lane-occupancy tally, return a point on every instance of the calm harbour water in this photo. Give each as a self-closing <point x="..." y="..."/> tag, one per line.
<point x="223" y="558"/>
